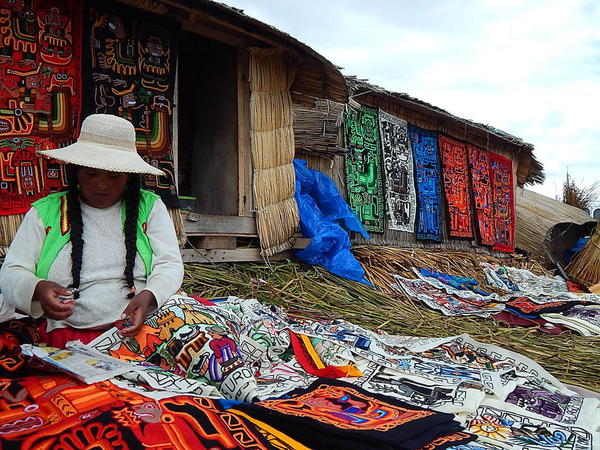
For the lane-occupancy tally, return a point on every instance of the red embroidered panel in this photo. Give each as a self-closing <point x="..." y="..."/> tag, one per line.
<point x="504" y="202"/>
<point x="479" y="168"/>
<point x="455" y="177"/>
<point x="40" y="96"/>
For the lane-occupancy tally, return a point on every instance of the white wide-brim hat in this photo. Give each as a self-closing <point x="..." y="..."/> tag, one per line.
<point x="106" y="142"/>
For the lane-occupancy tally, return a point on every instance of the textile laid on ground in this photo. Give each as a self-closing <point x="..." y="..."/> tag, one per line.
<point x="530" y="300"/>
<point x="40" y="94"/>
<point x="329" y="413"/>
<point x="501" y="176"/>
<point x="429" y="191"/>
<point x="455" y="178"/>
<point x="129" y="71"/>
<point x="323" y="211"/>
<point x="450" y="301"/>
<point x="453" y="375"/>
<point x="400" y="192"/>
<point x="363" y="167"/>
<point x="479" y="168"/>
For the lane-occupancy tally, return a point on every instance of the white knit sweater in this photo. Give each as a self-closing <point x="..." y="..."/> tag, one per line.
<point x="103" y="293"/>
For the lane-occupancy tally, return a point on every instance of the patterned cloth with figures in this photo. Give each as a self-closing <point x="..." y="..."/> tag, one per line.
<point x="234" y="373"/>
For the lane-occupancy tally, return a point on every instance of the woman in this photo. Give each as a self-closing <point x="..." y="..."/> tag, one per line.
<point x="103" y="251"/>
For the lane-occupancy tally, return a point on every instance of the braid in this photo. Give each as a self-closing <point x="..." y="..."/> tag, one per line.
<point x="132" y="202"/>
<point x="76" y="223"/>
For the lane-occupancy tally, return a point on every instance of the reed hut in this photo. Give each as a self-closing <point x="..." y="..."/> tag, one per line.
<point x="329" y="158"/>
<point x="536" y="214"/>
<point x="229" y="122"/>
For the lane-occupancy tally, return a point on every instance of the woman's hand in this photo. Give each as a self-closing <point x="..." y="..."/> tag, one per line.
<point x="136" y="312"/>
<point x="47" y="293"/>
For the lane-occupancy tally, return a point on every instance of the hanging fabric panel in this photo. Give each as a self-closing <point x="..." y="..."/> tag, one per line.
<point x="479" y="168"/>
<point x="504" y="202"/>
<point x="399" y="173"/>
<point x="455" y="177"/>
<point x="429" y="190"/>
<point x="363" y="167"/>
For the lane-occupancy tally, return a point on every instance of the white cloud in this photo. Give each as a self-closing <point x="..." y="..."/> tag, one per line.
<point x="529" y="67"/>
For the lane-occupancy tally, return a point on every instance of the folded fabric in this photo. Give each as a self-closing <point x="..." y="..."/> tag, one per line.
<point x="461" y="283"/>
<point x="511" y="319"/>
<point x="331" y="414"/>
<point x="526" y="307"/>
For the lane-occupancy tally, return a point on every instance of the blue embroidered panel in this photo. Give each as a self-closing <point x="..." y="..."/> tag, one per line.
<point x="428" y="180"/>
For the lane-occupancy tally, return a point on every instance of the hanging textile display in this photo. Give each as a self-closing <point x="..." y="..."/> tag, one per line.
<point x="129" y="71"/>
<point x="272" y="134"/>
<point x="363" y="167"/>
<point x="40" y="93"/>
<point x="399" y="176"/>
<point x="455" y="176"/>
<point x="429" y="192"/>
<point x="504" y="203"/>
<point x="479" y="168"/>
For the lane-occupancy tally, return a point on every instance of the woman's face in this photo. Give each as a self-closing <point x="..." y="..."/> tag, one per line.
<point x="101" y="188"/>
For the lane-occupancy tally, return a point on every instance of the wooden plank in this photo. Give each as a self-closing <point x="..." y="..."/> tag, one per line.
<point x="245" y="202"/>
<point x="215" y="242"/>
<point x="239" y="255"/>
<point x="204" y="224"/>
<point x="212" y="32"/>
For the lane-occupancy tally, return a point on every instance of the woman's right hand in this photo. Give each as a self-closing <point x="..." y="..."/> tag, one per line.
<point x="47" y="293"/>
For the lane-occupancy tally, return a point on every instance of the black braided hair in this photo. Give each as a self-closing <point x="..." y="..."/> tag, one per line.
<point x="76" y="222"/>
<point x="132" y="201"/>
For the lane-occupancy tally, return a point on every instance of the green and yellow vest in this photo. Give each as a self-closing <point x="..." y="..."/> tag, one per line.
<point x="52" y="210"/>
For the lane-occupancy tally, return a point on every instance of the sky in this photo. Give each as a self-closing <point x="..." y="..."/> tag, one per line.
<point x="529" y="67"/>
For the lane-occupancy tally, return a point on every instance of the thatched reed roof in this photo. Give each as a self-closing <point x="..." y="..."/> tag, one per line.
<point x="316" y="78"/>
<point x="536" y="214"/>
<point x="530" y="170"/>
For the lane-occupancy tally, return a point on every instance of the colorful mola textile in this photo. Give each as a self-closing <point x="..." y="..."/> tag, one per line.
<point x="40" y="95"/>
<point x="363" y="167"/>
<point x="479" y="167"/>
<point x="399" y="173"/>
<point x="504" y="202"/>
<point x="455" y="176"/>
<point x="331" y="414"/>
<point x="129" y="71"/>
<point x="429" y="192"/>
<point x="55" y="411"/>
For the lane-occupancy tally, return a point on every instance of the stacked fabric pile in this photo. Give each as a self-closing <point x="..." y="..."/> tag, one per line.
<point x="530" y="300"/>
<point x="296" y="384"/>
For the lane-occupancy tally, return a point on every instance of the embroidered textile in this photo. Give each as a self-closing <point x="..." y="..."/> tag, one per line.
<point x="583" y="319"/>
<point x="40" y="96"/>
<point x="479" y="168"/>
<point x="505" y="425"/>
<point x="129" y="71"/>
<point x="504" y="202"/>
<point x="330" y="414"/>
<point x="457" y="282"/>
<point x="429" y="190"/>
<point x="189" y="339"/>
<point x="400" y="193"/>
<point x="449" y="301"/>
<point x="455" y="176"/>
<point x="59" y="412"/>
<point x="363" y="167"/>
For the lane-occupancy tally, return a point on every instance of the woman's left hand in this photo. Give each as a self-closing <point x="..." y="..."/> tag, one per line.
<point x="136" y="312"/>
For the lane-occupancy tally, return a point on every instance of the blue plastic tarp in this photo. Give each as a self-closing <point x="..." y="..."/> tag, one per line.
<point x="326" y="218"/>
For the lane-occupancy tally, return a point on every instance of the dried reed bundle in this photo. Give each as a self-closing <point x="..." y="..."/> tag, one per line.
<point x="271" y="110"/>
<point x="178" y="224"/>
<point x="275" y="185"/>
<point x="8" y="228"/>
<point x="585" y="265"/>
<point x="275" y="239"/>
<point x="273" y="147"/>
<point x="318" y="129"/>
<point x="313" y="293"/>
<point x="264" y="141"/>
